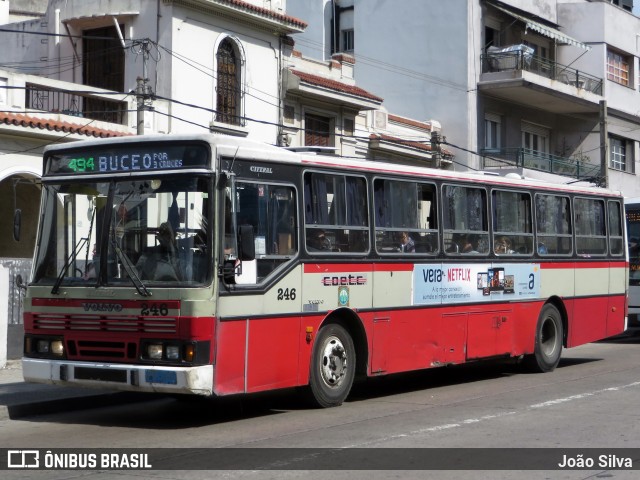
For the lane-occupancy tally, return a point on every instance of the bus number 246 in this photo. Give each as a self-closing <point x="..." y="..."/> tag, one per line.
<point x="286" y="294"/>
<point x="154" y="309"/>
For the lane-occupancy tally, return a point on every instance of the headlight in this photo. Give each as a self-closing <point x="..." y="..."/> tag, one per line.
<point x="43" y="346"/>
<point x="173" y="352"/>
<point x="57" y="347"/>
<point x="154" y="351"/>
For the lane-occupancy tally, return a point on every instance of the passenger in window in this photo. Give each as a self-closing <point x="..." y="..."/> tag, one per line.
<point x="542" y="249"/>
<point x="317" y="241"/>
<point x="503" y="246"/>
<point x="469" y="244"/>
<point x="407" y="245"/>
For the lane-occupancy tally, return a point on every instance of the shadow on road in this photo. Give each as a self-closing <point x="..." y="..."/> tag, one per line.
<point x="159" y="412"/>
<point x="625" y="338"/>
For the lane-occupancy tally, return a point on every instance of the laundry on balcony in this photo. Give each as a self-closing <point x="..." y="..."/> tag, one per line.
<point x="513" y="57"/>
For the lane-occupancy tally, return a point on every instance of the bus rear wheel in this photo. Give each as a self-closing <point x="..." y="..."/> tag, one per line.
<point x="548" y="343"/>
<point x="333" y="364"/>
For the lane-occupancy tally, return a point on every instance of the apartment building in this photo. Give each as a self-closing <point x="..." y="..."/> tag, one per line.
<point x="548" y="89"/>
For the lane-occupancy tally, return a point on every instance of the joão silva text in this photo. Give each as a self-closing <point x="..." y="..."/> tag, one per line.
<point x="604" y="461"/>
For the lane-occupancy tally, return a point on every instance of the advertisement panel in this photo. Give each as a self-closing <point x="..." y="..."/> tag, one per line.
<point x="465" y="283"/>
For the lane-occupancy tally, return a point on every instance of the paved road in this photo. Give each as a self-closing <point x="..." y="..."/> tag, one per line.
<point x="590" y="401"/>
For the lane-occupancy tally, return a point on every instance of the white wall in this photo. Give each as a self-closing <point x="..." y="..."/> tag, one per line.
<point x="190" y="34"/>
<point x="542" y="8"/>
<point x="195" y="84"/>
<point x="420" y="56"/>
<point x="4" y="315"/>
<point x="4" y="12"/>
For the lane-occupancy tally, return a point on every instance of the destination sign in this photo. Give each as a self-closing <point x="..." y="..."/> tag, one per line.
<point x="128" y="158"/>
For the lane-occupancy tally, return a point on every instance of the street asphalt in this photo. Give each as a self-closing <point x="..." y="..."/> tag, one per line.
<point x="21" y="399"/>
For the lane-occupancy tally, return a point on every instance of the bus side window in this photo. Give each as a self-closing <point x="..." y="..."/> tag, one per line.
<point x="554" y="233"/>
<point x="271" y="211"/>
<point x="616" y="237"/>
<point x="512" y="223"/>
<point x="591" y="233"/>
<point x="334" y="204"/>
<point x="465" y="219"/>
<point x="405" y="217"/>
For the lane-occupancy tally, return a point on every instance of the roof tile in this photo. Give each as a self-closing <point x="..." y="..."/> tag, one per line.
<point x="335" y="85"/>
<point x="28" y="121"/>
<point x="267" y="13"/>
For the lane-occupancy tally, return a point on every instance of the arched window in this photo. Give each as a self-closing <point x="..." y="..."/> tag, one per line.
<point x="228" y="84"/>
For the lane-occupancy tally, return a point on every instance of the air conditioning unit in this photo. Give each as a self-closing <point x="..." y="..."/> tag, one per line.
<point x="380" y="120"/>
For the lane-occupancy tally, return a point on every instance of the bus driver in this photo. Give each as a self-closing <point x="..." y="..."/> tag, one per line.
<point x="161" y="261"/>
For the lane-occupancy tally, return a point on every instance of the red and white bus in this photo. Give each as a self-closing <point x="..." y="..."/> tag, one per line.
<point x="212" y="265"/>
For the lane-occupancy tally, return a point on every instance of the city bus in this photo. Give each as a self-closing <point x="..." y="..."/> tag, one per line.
<point x="213" y="265"/>
<point x="632" y="208"/>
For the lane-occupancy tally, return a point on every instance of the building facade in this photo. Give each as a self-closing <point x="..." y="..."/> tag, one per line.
<point x="72" y="69"/>
<point x="548" y="89"/>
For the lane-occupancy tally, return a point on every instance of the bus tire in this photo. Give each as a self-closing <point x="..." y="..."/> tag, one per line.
<point x="548" y="342"/>
<point x="333" y="364"/>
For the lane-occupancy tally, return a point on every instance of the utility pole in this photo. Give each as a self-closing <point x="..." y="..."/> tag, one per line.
<point x="140" y="112"/>
<point x="604" y="144"/>
<point x="144" y="94"/>
<point x="436" y="152"/>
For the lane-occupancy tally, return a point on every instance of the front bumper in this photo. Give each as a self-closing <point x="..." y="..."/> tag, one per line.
<point x="114" y="376"/>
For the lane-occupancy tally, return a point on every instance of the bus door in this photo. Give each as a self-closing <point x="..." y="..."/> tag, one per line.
<point x="259" y="332"/>
<point x="592" y="274"/>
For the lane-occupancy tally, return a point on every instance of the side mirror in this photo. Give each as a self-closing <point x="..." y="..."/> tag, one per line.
<point x="229" y="271"/>
<point x="20" y="283"/>
<point x="17" y="224"/>
<point x="246" y="242"/>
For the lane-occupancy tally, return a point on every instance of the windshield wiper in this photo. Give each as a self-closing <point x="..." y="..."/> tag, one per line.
<point x="130" y="269"/>
<point x="77" y="249"/>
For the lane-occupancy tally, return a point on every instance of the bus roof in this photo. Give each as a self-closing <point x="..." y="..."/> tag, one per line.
<point x="230" y="146"/>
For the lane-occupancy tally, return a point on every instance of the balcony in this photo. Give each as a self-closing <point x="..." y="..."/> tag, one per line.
<point x="543" y="162"/>
<point x="515" y="75"/>
<point x="93" y="106"/>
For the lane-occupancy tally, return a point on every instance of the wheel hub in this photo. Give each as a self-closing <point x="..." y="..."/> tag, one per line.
<point x="334" y="362"/>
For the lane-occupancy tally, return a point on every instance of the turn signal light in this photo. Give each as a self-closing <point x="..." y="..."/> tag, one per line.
<point x="189" y="352"/>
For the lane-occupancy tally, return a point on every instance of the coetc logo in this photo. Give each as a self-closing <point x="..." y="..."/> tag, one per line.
<point x="343" y="296"/>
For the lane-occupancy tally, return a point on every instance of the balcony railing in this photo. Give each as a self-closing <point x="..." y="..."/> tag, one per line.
<point x="95" y="107"/>
<point x="544" y="162"/>
<point x="521" y="60"/>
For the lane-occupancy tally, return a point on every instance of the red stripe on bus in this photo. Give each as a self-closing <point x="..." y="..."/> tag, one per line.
<point x="408" y="267"/>
<point x="591" y="264"/>
<point x="393" y="267"/>
<point x="356" y="267"/>
<point x="79" y="302"/>
<point x="337" y="267"/>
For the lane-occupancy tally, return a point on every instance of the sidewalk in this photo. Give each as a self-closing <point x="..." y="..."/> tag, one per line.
<point x="20" y="399"/>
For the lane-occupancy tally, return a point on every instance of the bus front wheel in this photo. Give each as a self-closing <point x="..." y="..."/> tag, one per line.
<point x="548" y="343"/>
<point x="333" y="364"/>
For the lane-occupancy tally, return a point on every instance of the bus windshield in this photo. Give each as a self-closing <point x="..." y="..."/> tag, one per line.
<point x="147" y="232"/>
